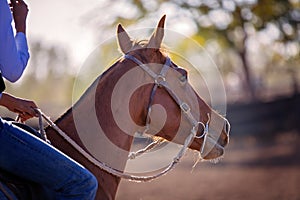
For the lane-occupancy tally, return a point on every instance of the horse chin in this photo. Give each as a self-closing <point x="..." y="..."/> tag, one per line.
<point x="215" y="155"/>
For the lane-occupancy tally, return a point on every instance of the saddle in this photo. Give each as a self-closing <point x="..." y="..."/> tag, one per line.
<point x="15" y="187"/>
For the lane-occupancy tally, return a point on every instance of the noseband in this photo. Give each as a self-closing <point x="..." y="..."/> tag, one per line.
<point x="160" y="81"/>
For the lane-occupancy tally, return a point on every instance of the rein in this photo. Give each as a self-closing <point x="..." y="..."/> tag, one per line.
<point x="159" y="81"/>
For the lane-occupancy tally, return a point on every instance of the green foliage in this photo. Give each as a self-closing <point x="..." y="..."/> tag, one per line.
<point x="235" y="25"/>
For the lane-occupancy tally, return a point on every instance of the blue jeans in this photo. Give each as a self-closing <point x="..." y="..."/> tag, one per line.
<point x="27" y="156"/>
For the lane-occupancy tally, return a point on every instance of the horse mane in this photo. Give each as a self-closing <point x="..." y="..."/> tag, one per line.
<point x="142" y="43"/>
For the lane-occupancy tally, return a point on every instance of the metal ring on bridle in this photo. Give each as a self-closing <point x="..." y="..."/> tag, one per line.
<point x="205" y="127"/>
<point x="159" y="79"/>
<point x="205" y="131"/>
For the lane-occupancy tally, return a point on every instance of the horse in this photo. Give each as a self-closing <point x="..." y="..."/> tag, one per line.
<point x="161" y="84"/>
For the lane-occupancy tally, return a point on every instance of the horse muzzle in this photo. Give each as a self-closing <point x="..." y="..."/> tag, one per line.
<point x="210" y="149"/>
<point x="213" y="148"/>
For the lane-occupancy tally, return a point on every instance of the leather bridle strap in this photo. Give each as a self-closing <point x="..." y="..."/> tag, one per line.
<point x="160" y="81"/>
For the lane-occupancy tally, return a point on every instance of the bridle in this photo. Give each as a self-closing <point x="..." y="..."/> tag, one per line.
<point x="159" y="81"/>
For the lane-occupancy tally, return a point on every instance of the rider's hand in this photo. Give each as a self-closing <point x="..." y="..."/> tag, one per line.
<point x="24" y="107"/>
<point x="19" y="10"/>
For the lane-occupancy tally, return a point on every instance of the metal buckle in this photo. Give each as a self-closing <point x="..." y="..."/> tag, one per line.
<point x="185" y="107"/>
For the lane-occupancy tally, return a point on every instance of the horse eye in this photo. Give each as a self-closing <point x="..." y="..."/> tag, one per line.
<point x="183" y="79"/>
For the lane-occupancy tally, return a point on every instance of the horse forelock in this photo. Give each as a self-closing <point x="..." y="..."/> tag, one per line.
<point x="143" y="44"/>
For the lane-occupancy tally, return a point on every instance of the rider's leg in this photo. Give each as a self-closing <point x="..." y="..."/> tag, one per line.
<point x="31" y="158"/>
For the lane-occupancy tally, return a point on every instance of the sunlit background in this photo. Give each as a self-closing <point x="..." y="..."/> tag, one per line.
<point x="254" y="43"/>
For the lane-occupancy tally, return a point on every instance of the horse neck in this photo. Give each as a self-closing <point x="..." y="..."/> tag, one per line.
<point x="91" y="125"/>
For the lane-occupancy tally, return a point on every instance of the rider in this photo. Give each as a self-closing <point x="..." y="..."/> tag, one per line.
<point x="21" y="153"/>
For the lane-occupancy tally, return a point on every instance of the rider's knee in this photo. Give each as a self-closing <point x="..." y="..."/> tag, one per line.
<point x="91" y="183"/>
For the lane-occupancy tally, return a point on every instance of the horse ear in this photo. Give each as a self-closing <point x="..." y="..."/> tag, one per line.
<point x="157" y="36"/>
<point x="124" y="41"/>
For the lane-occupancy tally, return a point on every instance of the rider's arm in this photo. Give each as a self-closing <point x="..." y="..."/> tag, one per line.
<point x="14" y="53"/>
<point x="24" y="107"/>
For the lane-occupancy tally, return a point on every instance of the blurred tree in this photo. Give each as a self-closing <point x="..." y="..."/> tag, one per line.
<point x="232" y="23"/>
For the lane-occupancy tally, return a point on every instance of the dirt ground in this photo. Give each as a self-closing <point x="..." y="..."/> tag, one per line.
<point x="251" y="169"/>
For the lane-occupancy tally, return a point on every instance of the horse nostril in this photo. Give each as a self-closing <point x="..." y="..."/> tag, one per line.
<point x="227" y="126"/>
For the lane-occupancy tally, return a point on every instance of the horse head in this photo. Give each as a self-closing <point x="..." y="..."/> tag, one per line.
<point x="165" y="103"/>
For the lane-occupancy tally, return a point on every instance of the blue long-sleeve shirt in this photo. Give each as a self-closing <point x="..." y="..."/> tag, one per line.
<point x="14" y="53"/>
